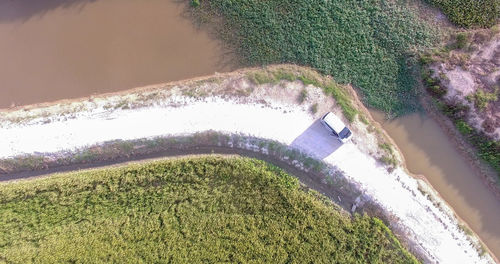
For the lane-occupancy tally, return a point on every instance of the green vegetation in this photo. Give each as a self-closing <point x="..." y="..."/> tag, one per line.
<point x="470" y="13"/>
<point x="185" y="211"/>
<point x="260" y="77"/>
<point x="366" y="43"/>
<point x="314" y="108"/>
<point x="389" y="156"/>
<point x="433" y="85"/>
<point x="26" y="162"/>
<point x="195" y="3"/>
<point x="462" y="40"/>
<point x="339" y="93"/>
<point x="302" y="96"/>
<point x="487" y="149"/>
<point x="481" y="99"/>
<point x="463" y="127"/>
<point x="387" y="147"/>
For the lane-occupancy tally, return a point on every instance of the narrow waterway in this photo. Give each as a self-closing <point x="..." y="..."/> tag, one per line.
<point x="429" y="152"/>
<point x="55" y="49"/>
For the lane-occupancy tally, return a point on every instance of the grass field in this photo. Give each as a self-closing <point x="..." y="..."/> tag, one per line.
<point x="196" y="210"/>
<point x="366" y="43"/>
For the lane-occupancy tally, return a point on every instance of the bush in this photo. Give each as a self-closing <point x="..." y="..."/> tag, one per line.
<point x="262" y="78"/>
<point x="314" y="108"/>
<point x="302" y="96"/>
<point x="463" y="127"/>
<point x="470" y="13"/>
<point x="426" y="59"/>
<point x="488" y="149"/>
<point x="195" y="3"/>
<point x="481" y="99"/>
<point x="437" y="90"/>
<point x="455" y="111"/>
<point x="462" y="40"/>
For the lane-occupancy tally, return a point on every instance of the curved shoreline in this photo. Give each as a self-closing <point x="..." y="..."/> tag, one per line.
<point x="363" y="143"/>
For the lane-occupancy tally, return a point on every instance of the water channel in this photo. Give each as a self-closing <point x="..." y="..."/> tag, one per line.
<point x="429" y="152"/>
<point x="55" y="49"/>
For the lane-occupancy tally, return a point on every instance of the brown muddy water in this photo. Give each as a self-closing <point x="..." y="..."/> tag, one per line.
<point x="429" y="152"/>
<point x="55" y="49"/>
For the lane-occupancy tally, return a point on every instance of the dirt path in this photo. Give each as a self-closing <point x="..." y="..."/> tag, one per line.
<point x="416" y="213"/>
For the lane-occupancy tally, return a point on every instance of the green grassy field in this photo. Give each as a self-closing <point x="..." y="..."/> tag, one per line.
<point x="470" y="13"/>
<point x="366" y="43"/>
<point x="196" y="210"/>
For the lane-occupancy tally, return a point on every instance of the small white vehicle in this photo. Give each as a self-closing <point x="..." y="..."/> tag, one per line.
<point x="336" y="127"/>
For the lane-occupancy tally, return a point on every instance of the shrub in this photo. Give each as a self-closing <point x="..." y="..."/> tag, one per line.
<point x="429" y="81"/>
<point x="487" y="149"/>
<point x="455" y="111"/>
<point x="284" y="75"/>
<point x="426" y="59"/>
<point x="437" y="90"/>
<point x="470" y="13"/>
<point x="302" y="96"/>
<point x="314" y="108"/>
<point x="389" y="160"/>
<point x="481" y="99"/>
<point x="387" y="147"/>
<point x="463" y="127"/>
<point x="462" y="40"/>
<point x="262" y="77"/>
<point x="195" y="3"/>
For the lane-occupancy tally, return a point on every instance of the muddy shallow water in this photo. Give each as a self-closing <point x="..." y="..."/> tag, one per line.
<point x="428" y="151"/>
<point x="55" y="49"/>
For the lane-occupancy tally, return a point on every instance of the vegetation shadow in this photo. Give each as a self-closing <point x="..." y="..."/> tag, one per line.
<point x="317" y="141"/>
<point x="23" y="10"/>
<point x="227" y="57"/>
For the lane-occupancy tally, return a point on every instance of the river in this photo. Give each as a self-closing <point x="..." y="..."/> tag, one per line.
<point x="57" y="49"/>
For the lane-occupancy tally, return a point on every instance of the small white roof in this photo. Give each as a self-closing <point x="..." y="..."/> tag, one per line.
<point x="334" y="122"/>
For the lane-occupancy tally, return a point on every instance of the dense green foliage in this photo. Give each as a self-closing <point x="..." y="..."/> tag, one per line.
<point x="198" y="210"/>
<point x="470" y="13"/>
<point x="481" y="99"/>
<point x="488" y="149"/>
<point x="365" y="43"/>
